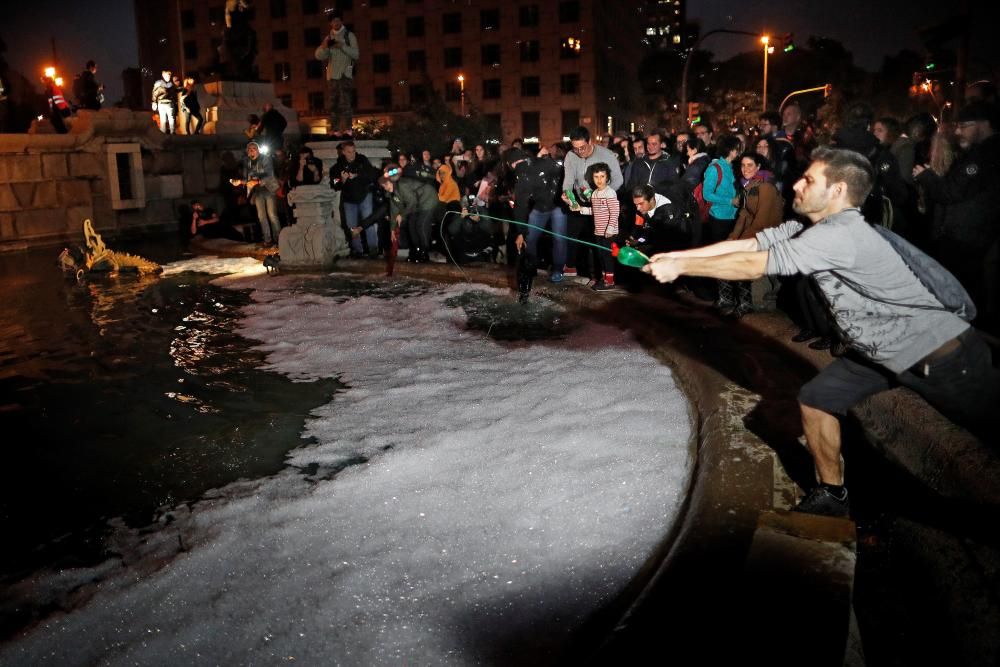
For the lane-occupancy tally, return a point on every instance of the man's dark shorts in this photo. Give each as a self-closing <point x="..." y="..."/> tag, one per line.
<point x="962" y="384"/>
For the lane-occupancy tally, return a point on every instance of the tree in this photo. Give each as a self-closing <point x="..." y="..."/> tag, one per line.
<point x="433" y="126"/>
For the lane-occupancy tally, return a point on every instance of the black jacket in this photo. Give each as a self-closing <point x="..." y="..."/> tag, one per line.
<point x="536" y="186"/>
<point x="969" y="194"/>
<point x="362" y="180"/>
<point x="660" y="173"/>
<point x="670" y="227"/>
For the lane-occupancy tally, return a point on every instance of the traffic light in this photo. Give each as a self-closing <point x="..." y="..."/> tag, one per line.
<point x="694" y="112"/>
<point x="787" y="42"/>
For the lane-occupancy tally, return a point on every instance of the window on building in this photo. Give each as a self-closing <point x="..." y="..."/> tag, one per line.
<point x="569" y="11"/>
<point x="494" y="124"/>
<point x="489" y="19"/>
<point x="380" y="63"/>
<point x="570" y="121"/>
<point x="216" y="15"/>
<point x="383" y="96"/>
<point x="286" y="100"/>
<point x="453" y="56"/>
<point x="282" y="72"/>
<point x="530" y="51"/>
<point x="569" y="84"/>
<point x="190" y="50"/>
<point x="279" y="40"/>
<point x="314" y="69"/>
<point x="451" y="23"/>
<point x="279" y="9"/>
<point x="531" y="124"/>
<point x="416" y="61"/>
<point x="491" y="89"/>
<point x="187" y="19"/>
<point x="317" y="100"/>
<point x="310" y="7"/>
<point x="528" y="16"/>
<point x="414" y="26"/>
<point x="452" y="92"/>
<point x="531" y="86"/>
<point x="569" y="48"/>
<point x="490" y="55"/>
<point x="312" y="37"/>
<point x="418" y="94"/>
<point x="380" y="30"/>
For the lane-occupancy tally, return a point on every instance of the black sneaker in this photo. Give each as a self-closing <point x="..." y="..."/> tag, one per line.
<point x="822" y="502"/>
<point x="804" y="335"/>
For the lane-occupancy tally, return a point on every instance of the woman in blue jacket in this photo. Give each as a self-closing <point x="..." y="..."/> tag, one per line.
<point x="719" y="190"/>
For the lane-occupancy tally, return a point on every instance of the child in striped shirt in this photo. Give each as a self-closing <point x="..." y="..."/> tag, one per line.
<point x="605" y="209"/>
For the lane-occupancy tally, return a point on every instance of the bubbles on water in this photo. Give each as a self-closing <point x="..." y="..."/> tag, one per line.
<point x="503" y="318"/>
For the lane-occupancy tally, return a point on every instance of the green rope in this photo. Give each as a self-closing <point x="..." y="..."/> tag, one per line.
<point x="541" y="229"/>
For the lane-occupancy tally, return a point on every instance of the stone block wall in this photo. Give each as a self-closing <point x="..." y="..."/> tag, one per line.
<point x="49" y="184"/>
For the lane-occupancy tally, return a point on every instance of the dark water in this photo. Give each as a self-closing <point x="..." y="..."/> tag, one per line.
<point x="121" y="396"/>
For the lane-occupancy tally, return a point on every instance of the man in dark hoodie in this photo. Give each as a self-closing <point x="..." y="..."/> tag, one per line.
<point x="969" y="196"/>
<point x="856" y="135"/>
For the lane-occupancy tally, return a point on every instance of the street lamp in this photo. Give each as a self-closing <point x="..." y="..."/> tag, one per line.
<point x="766" y="41"/>
<point x="461" y="84"/>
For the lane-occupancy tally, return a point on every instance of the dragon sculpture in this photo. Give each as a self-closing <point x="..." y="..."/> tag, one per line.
<point x="97" y="258"/>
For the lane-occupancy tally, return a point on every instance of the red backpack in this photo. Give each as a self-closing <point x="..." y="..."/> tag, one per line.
<point x="699" y="194"/>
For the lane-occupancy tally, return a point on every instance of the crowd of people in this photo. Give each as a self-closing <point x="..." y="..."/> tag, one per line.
<point x="565" y="207"/>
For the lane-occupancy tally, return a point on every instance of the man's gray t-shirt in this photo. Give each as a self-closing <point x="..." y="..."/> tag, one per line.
<point x="575" y="169"/>
<point x="898" y="322"/>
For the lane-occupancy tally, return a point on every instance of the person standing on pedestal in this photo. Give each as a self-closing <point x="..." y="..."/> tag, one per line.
<point x="164" y="101"/>
<point x="339" y="51"/>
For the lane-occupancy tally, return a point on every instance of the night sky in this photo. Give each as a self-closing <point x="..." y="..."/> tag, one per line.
<point x="105" y="29"/>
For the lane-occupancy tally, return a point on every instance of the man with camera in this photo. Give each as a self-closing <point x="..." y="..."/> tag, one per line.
<point x="339" y="51"/>
<point x="354" y="177"/>
<point x="262" y="189"/>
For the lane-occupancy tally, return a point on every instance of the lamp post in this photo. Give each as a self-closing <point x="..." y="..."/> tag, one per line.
<point x="766" y="41"/>
<point x="461" y="84"/>
<point x="693" y="49"/>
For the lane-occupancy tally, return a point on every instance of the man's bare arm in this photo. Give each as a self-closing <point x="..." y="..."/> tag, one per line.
<point x="720" y="248"/>
<point x="733" y="266"/>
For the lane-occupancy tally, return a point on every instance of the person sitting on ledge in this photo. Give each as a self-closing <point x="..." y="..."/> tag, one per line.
<point x="898" y="333"/>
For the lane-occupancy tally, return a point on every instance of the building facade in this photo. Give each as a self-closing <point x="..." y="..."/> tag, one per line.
<point x="535" y="69"/>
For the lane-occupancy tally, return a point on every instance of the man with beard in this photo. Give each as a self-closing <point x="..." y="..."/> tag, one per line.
<point x="898" y="332"/>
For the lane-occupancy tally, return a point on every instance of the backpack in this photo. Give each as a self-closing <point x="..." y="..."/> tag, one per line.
<point x="699" y="194"/>
<point x="938" y="280"/>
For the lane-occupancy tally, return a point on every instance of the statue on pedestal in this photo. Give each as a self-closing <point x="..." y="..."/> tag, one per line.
<point x="239" y="44"/>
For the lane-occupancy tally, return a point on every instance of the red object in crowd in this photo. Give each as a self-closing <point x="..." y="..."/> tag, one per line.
<point x="614" y="249"/>
<point x="390" y="257"/>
